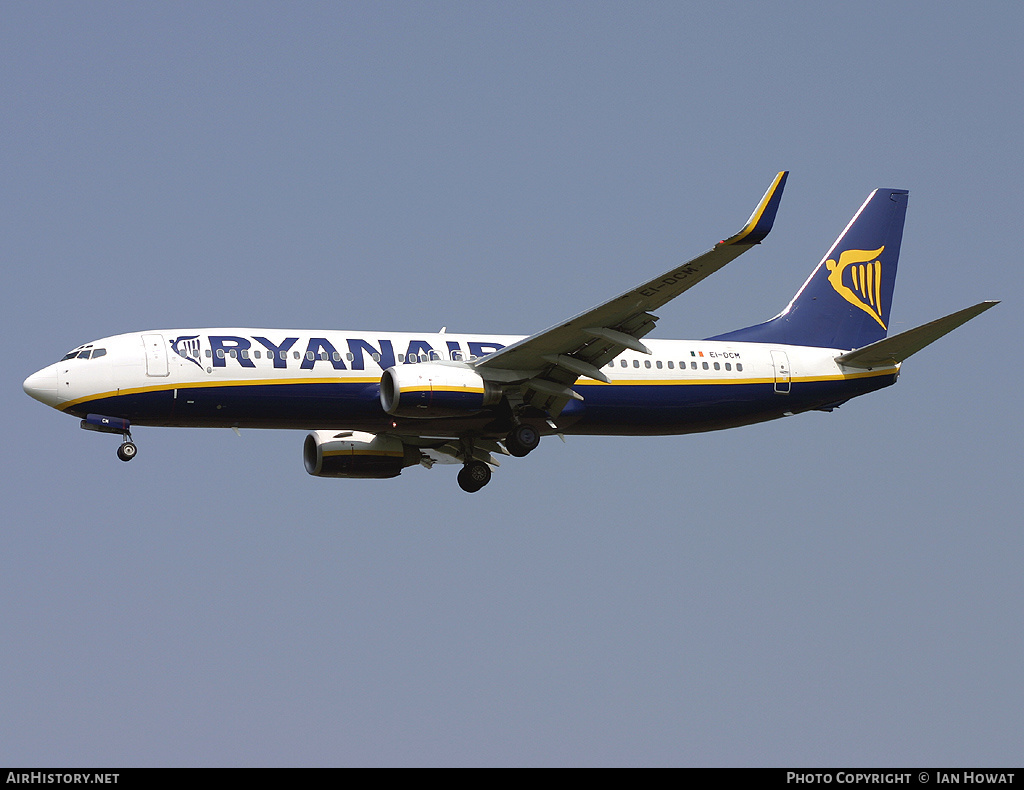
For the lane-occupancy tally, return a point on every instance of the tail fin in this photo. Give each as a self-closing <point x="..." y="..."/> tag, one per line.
<point x="845" y="302"/>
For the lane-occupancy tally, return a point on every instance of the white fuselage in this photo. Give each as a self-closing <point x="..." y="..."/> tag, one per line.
<point x="328" y="379"/>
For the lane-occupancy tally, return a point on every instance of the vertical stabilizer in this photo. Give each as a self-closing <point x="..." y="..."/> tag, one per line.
<point x="845" y="302"/>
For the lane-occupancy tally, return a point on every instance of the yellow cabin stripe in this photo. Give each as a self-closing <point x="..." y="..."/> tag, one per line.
<point x="767" y="380"/>
<point x="383" y="453"/>
<point x="428" y="388"/>
<point x="579" y="384"/>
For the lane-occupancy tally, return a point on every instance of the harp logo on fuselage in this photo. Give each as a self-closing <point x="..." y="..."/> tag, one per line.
<point x="188" y="347"/>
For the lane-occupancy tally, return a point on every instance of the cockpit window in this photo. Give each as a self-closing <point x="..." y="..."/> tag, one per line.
<point x="88" y="353"/>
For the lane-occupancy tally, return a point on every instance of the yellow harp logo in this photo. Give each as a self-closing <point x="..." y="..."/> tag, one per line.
<point x="865" y="280"/>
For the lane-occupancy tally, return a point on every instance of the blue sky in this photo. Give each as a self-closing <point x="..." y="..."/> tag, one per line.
<point x="822" y="590"/>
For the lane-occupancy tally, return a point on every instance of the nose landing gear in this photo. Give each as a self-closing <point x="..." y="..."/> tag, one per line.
<point x="127" y="451"/>
<point x="102" y="424"/>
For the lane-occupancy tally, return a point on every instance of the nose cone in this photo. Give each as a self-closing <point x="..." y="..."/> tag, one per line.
<point x="43" y="385"/>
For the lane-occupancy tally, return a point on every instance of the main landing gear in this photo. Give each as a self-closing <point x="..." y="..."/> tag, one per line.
<point x="522" y="440"/>
<point x="475" y="472"/>
<point x="474" y="476"/>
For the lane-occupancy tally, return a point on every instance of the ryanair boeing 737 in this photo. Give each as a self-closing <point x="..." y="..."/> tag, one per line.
<point x="377" y="402"/>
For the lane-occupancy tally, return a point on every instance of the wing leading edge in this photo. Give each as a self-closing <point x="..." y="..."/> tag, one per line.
<point x="549" y="362"/>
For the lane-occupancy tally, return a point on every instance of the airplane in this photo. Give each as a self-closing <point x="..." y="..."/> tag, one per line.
<point x="379" y="402"/>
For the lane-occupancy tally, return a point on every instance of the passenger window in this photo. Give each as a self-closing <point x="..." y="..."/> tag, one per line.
<point x="739" y="366"/>
<point x="435" y="356"/>
<point x="624" y="363"/>
<point x="636" y="363"/>
<point x="376" y="357"/>
<point x="658" y="364"/>
<point x="671" y="365"/>
<point x="295" y="355"/>
<point x="309" y="356"/>
<point x="348" y="356"/>
<point x="233" y="353"/>
<point x="693" y="365"/>
<point x="208" y="353"/>
<point x="728" y="366"/>
<point x="336" y="356"/>
<point x="647" y="363"/>
<point x="256" y="354"/>
<point x="245" y="353"/>
<point x="717" y="366"/>
<point x="705" y="365"/>
<point x="220" y="353"/>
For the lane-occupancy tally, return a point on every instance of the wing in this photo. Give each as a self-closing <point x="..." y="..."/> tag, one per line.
<point x="549" y="362"/>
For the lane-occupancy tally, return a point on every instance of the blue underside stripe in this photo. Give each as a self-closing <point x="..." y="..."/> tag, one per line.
<point x="622" y="408"/>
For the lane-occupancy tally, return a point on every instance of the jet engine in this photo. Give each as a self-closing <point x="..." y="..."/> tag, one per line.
<point x="428" y="390"/>
<point x="356" y="454"/>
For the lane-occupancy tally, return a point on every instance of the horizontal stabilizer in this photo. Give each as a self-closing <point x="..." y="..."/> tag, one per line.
<point x="897" y="348"/>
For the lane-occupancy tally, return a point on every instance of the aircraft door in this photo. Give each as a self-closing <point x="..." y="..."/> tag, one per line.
<point x="780" y="361"/>
<point x="156" y="355"/>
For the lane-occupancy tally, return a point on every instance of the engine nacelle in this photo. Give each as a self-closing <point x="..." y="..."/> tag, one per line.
<point x="356" y="454"/>
<point x="427" y="389"/>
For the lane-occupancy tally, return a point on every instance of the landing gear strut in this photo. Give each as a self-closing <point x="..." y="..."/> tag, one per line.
<point x="474" y="476"/>
<point x="522" y="440"/>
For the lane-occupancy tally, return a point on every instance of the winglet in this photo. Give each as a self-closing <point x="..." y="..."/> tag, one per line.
<point x="760" y="223"/>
